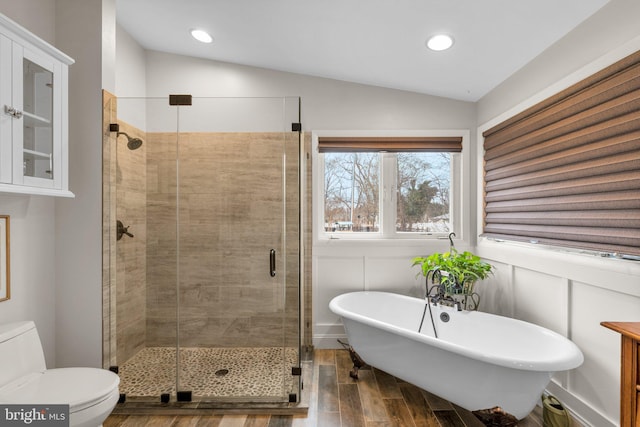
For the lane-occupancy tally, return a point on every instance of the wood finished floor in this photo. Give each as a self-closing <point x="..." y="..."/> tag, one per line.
<point x="376" y="399"/>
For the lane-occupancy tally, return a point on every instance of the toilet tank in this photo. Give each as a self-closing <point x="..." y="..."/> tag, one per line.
<point x="20" y="351"/>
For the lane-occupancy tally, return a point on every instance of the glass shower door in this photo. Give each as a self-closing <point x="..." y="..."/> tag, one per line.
<point x="237" y="251"/>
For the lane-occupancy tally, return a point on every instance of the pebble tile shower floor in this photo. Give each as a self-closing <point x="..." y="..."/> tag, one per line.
<point x="252" y="372"/>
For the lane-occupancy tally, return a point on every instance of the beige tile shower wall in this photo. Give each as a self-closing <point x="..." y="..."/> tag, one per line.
<point x="230" y="216"/>
<point x="161" y="239"/>
<point x="131" y="252"/>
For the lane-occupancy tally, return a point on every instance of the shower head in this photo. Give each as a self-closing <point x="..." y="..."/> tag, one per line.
<point x="132" y="143"/>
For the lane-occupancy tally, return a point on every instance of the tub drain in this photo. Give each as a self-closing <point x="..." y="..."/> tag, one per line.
<point x="221" y="372"/>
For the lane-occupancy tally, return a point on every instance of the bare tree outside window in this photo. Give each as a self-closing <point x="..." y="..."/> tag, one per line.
<point x="423" y="192"/>
<point x="352" y="192"/>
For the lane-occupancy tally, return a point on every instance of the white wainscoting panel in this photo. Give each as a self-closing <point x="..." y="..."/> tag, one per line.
<point x="333" y="276"/>
<point x="541" y="299"/>
<point x="394" y="274"/>
<point x="597" y="380"/>
<point x="496" y="290"/>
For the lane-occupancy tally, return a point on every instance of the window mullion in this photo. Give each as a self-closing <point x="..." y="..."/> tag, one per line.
<point x="388" y="185"/>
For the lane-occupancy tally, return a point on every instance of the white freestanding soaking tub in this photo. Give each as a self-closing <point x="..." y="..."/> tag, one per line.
<point x="478" y="361"/>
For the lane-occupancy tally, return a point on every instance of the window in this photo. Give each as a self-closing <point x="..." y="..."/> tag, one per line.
<point x="388" y="188"/>
<point x="352" y="192"/>
<point x="565" y="172"/>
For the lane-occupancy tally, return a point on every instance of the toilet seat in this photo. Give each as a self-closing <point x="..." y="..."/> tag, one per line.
<point x="80" y="388"/>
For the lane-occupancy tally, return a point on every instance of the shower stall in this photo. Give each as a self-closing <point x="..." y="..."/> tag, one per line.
<point x="202" y="249"/>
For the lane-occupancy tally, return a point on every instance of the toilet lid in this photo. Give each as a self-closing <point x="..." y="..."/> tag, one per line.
<point x="79" y="388"/>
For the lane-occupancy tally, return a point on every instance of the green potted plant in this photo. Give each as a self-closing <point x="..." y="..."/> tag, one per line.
<point x="456" y="274"/>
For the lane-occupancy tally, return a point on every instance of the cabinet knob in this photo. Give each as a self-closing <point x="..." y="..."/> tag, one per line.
<point x="12" y="112"/>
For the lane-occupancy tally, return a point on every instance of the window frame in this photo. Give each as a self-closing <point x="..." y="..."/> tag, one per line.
<point x="459" y="183"/>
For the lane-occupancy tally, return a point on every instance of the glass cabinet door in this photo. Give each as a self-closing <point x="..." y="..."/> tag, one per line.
<point x="37" y="139"/>
<point x="37" y="157"/>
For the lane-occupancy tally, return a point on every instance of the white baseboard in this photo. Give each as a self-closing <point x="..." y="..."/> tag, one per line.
<point x="326" y="335"/>
<point x="329" y="341"/>
<point x="581" y="411"/>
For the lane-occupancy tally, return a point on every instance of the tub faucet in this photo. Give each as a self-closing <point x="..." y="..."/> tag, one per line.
<point x="440" y="295"/>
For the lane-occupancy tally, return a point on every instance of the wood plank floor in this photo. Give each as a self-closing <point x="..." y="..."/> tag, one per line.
<point x="376" y="399"/>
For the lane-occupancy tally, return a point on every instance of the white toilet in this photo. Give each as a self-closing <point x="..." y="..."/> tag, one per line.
<point x="91" y="393"/>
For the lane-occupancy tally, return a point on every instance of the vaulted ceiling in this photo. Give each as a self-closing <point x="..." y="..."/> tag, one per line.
<point x="374" y="42"/>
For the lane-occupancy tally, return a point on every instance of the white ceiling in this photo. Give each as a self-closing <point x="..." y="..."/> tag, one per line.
<point x="374" y="42"/>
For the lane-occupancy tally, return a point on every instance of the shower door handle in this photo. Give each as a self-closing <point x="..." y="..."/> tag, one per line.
<point x="272" y="262"/>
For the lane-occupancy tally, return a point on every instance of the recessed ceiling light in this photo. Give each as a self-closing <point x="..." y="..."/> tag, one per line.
<point x="201" y="36"/>
<point x="440" y="42"/>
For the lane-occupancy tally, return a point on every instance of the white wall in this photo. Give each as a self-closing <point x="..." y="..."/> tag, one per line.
<point x="130" y="79"/>
<point x="32" y="237"/>
<point x="32" y="219"/>
<point x="326" y="103"/>
<point x="42" y="24"/>
<point x="611" y="27"/>
<point x="567" y="292"/>
<point x="80" y="34"/>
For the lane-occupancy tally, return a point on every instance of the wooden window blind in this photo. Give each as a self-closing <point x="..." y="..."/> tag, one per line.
<point x="389" y="144"/>
<point x="567" y="170"/>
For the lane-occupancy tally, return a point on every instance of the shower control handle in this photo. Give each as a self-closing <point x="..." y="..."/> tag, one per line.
<point x="272" y="262"/>
<point x="121" y="229"/>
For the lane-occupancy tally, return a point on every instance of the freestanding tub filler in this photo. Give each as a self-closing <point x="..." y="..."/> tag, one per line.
<point x="478" y="360"/>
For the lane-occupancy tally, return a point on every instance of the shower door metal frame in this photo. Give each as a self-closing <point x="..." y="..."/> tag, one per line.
<point x="292" y="394"/>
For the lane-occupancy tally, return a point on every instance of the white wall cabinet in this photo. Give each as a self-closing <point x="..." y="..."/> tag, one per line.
<point x="33" y="114"/>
